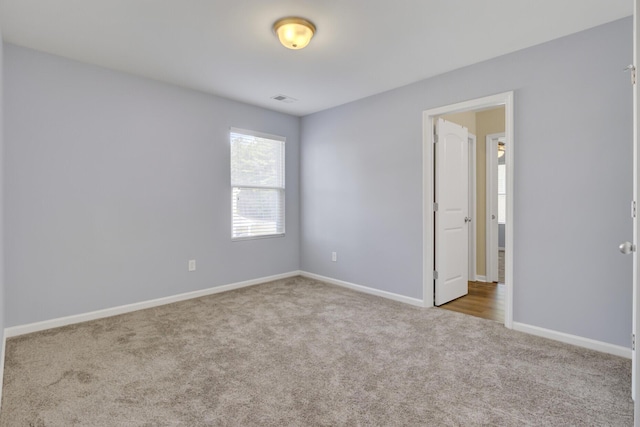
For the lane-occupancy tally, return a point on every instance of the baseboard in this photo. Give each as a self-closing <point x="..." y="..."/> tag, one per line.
<point x="481" y="278"/>
<point x="600" y="346"/>
<point x="365" y="289"/>
<point x="114" y="311"/>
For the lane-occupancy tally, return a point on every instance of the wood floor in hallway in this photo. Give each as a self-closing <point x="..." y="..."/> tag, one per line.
<point x="485" y="300"/>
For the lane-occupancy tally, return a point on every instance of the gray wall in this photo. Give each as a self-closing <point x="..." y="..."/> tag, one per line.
<point x="115" y="181"/>
<point x="361" y="182"/>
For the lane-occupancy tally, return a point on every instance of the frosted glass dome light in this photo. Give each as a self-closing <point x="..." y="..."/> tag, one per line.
<point x="294" y="33"/>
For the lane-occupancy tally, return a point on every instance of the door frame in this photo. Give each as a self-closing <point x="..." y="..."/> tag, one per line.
<point x="473" y="197"/>
<point x="491" y="205"/>
<point x="635" y="354"/>
<point x="428" y="122"/>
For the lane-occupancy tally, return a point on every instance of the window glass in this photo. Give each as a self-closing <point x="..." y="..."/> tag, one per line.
<point x="257" y="181"/>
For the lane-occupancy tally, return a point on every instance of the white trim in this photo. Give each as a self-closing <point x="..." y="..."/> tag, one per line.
<point x="473" y="197"/>
<point x="257" y="134"/>
<point x="600" y="346"/>
<point x="491" y="205"/>
<point x="510" y="218"/>
<point x="428" y="200"/>
<point x="481" y="279"/>
<point x="364" y="289"/>
<point x="428" y="116"/>
<point x="114" y="311"/>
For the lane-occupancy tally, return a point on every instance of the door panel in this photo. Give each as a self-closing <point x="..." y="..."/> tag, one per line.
<point x="452" y="196"/>
<point x="635" y="385"/>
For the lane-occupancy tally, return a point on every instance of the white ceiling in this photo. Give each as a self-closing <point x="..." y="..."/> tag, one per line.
<point x="227" y="47"/>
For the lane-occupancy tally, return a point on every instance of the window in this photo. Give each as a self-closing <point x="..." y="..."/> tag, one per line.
<point x="257" y="184"/>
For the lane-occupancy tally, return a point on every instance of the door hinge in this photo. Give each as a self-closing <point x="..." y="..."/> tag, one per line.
<point x="633" y="209"/>
<point x="632" y="68"/>
<point x="435" y="207"/>
<point x="435" y="138"/>
<point x="435" y="274"/>
<point x="633" y="342"/>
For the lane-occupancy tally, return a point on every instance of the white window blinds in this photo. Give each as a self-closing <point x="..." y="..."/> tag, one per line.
<point x="257" y="183"/>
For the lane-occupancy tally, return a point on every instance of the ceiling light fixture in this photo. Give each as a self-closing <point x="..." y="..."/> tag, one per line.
<point x="294" y="33"/>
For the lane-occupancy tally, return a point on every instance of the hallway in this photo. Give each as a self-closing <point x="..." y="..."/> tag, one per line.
<point x="485" y="300"/>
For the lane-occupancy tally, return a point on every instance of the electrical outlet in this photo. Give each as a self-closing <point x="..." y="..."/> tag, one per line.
<point x="334" y="256"/>
<point x="192" y="265"/>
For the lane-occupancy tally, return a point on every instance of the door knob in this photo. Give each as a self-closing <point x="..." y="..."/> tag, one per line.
<point x="467" y="219"/>
<point x="627" y="248"/>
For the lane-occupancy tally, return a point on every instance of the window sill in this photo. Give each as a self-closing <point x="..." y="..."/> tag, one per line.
<point x="267" y="236"/>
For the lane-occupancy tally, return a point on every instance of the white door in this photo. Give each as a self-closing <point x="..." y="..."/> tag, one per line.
<point x="635" y="385"/>
<point x="452" y="214"/>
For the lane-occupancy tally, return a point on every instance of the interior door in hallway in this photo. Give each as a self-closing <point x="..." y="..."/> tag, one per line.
<point x="627" y="247"/>
<point x="452" y="214"/>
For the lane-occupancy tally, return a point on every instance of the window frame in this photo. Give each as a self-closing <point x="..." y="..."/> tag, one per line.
<point x="281" y="190"/>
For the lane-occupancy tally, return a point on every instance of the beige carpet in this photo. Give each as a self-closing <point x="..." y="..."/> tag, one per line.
<point x="298" y="352"/>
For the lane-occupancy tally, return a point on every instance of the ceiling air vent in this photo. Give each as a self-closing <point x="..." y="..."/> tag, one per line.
<point x="284" y="98"/>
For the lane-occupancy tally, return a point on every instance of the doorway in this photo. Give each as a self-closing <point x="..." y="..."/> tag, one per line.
<point x="496" y="206"/>
<point x="432" y="260"/>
